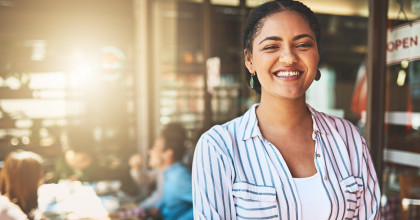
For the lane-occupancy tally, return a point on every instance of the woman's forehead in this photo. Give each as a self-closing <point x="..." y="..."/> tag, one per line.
<point x="284" y="22"/>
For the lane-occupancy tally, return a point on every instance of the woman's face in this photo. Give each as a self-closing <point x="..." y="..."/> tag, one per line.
<point x="284" y="56"/>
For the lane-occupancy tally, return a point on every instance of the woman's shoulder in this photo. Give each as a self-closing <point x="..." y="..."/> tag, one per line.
<point x="224" y="131"/>
<point x="348" y="132"/>
<point x="333" y="121"/>
<point x="220" y="137"/>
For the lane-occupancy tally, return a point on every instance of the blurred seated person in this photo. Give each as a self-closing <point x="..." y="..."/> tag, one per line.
<point x="150" y="181"/>
<point x="166" y="155"/>
<point x="78" y="159"/>
<point x="20" y="177"/>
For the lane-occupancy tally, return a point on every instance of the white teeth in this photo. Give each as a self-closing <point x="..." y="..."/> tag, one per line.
<point x="287" y="73"/>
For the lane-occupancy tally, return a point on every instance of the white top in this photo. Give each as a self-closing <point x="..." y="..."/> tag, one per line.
<point x="10" y="211"/>
<point x="313" y="198"/>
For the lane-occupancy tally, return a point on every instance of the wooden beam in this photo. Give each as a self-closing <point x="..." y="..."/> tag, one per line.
<point x="207" y="53"/>
<point x="376" y="72"/>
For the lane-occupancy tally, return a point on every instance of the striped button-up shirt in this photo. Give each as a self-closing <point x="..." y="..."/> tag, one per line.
<point x="237" y="174"/>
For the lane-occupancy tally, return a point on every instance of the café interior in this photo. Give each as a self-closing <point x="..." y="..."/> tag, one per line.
<point x="103" y="77"/>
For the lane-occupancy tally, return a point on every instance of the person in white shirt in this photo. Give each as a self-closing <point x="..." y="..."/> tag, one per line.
<point x="282" y="159"/>
<point x="20" y="177"/>
<point x="9" y="210"/>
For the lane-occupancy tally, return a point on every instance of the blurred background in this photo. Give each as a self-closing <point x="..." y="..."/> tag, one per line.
<point x="101" y="77"/>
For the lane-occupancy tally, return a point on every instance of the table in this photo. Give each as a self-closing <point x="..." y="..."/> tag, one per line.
<point x="75" y="200"/>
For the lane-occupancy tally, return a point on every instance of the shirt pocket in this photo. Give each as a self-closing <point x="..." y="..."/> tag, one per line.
<point x="353" y="188"/>
<point x="255" y="202"/>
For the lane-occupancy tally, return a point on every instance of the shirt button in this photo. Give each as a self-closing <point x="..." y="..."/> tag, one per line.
<point x="318" y="155"/>
<point x="325" y="178"/>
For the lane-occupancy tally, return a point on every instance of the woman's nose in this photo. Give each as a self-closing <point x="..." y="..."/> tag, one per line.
<point x="287" y="56"/>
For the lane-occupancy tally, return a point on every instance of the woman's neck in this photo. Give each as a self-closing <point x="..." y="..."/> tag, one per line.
<point x="283" y="115"/>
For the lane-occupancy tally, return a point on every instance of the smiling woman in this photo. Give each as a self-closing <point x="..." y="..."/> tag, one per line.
<point x="282" y="158"/>
<point x="281" y="58"/>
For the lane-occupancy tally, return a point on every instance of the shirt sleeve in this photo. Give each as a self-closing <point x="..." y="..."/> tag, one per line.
<point x="212" y="182"/>
<point x="369" y="207"/>
<point x="10" y="211"/>
<point x="156" y="196"/>
<point x="144" y="178"/>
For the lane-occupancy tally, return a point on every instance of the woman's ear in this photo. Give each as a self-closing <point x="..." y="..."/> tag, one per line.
<point x="248" y="61"/>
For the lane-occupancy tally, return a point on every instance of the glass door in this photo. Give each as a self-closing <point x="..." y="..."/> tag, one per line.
<point x="401" y="174"/>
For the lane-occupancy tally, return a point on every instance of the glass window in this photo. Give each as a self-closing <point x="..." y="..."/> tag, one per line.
<point x="64" y="65"/>
<point x="401" y="188"/>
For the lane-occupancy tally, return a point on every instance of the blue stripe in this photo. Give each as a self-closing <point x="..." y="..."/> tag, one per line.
<point x="351" y="184"/>
<point x="196" y="183"/>
<point x="226" y="147"/>
<point x="205" y="181"/>
<point x="268" y="217"/>
<point x="256" y="193"/>
<point x="253" y="127"/>
<point x="272" y="180"/>
<point x="336" y="144"/>
<point x="332" y="186"/>
<point x="320" y="171"/>
<point x="227" y="190"/>
<point x="204" y="173"/>
<point x="321" y="141"/>
<point x="212" y="180"/>
<point x="246" y="127"/>
<point x="320" y="124"/>
<point x="371" y="194"/>
<point x="231" y="154"/>
<point x="249" y="162"/>
<point x="345" y="134"/>
<point x="357" y="152"/>
<point x="256" y="209"/>
<point x="239" y="154"/>
<point x="258" y="160"/>
<point x="221" y="186"/>
<point x="254" y="184"/>
<point x="276" y="152"/>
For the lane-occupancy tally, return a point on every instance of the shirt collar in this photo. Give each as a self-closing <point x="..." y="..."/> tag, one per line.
<point x="317" y="119"/>
<point x="248" y="126"/>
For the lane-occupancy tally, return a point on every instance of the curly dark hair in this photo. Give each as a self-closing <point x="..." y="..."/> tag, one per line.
<point x="256" y="19"/>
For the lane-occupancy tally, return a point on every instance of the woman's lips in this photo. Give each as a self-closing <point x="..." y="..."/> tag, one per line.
<point x="286" y="74"/>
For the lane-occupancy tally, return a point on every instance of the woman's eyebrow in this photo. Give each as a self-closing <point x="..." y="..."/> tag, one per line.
<point x="275" y="38"/>
<point x="302" y="36"/>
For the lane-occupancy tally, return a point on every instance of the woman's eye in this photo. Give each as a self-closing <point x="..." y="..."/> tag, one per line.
<point x="304" y="45"/>
<point x="270" y="47"/>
